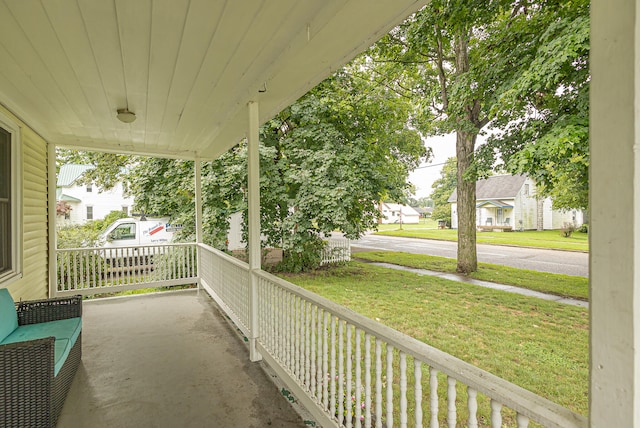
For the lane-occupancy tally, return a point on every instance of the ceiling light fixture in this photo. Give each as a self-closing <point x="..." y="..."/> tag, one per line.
<point x="126" y="116"/>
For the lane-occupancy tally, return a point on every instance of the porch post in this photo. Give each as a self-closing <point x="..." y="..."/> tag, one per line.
<point x="197" y="165"/>
<point x="51" y="204"/>
<point x="253" y="142"/>
<point x="615" y="214"/>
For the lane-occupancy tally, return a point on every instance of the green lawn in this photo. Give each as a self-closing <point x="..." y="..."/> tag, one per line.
<point x="539" y="345"/>
<point x="545" y="239"/>
<point x="576" y="287"/>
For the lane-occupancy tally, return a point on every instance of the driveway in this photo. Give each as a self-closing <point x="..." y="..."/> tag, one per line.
<point x="554" y="261"/>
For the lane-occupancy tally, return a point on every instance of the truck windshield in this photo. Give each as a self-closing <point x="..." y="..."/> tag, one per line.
<point x="124" y="231"/>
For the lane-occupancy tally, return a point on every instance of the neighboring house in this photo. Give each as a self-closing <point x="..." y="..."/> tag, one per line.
<point x="508" y="202"/>
<point x="396" y="213"/>
<point x="424" y="212"/>
<point x="85" y="201"/>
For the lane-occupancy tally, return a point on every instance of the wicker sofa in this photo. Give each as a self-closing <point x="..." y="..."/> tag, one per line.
<point x="40" y="351"/>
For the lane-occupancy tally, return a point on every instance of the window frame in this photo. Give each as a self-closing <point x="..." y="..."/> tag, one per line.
<point x="89" y="208"/>
<point x="15" y="272"/>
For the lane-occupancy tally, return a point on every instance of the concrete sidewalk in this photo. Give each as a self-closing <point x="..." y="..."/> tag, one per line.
<point x="486" y="284"/>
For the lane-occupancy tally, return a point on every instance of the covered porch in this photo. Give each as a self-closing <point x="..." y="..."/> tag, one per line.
<point x="199" y="76"/>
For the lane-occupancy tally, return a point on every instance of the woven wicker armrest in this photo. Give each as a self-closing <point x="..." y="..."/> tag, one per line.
<point x="27" y="382"/>
<point x="37" y="311"/>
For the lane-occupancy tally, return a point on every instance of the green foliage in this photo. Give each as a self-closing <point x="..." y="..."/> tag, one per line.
<point x="87" y="234"/>
<point x="303" y="256"/>
<point x="543" y="116"/>
<point x="442" y="190"/>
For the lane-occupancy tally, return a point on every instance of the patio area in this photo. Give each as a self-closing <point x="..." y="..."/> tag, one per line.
<point x="169" y="360"/>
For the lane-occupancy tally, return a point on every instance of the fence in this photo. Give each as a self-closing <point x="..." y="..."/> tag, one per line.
<point x="106" y="270"/>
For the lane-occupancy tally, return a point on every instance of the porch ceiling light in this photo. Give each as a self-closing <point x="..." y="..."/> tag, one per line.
<point x="126" y="116"/>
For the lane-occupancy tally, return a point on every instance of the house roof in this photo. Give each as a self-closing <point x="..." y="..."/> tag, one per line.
<point x="495" y="187"/>
<point x="187" y="69"/>
<point x="66" y="198"/>
<point x="406" y="209"/>
<point x="499" y="204"/>
<point x="70" y="173"/>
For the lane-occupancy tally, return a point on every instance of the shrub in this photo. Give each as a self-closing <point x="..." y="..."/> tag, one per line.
<point x="584" y="228"/>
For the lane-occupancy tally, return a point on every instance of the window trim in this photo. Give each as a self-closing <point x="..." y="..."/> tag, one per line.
<point x="13" y="129"/>
<point x="87" y="212"/>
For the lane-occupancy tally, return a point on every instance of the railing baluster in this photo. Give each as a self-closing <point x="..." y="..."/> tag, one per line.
<point x="314" y="345"/>
<point x="358" y="391"/>
<point x="349" y="392"/>
<point x="389" y="374"/>
<point x="417" y="376"/>
<point x="332" y="369"/>
<point x="367" y="380"/>
<point x="403" y="390"/>
<point x="433" y="397"/>
<point x="378" y="383"/>
<point x="319" y="375"/>
<point x="496" y="416"/>
<point x="325" y="361"/>
<point x="451" y="402"/>
<point x="522" y="420"/>
<point x="307" y="335"/>
<point x="341" y="385"/>
<point x="472" y="403"/>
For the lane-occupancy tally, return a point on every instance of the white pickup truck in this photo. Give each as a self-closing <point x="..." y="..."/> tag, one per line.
<point x="131" y="244"/>
<point x="129" y="232"/>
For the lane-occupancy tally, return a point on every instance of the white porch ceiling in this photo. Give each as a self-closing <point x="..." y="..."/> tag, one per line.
<point x="186" y="68"/>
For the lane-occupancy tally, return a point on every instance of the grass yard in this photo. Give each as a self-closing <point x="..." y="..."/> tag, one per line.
<point x="545" y="239"/>
<point x="576" y="287"/>
<point x="539" y="345"/>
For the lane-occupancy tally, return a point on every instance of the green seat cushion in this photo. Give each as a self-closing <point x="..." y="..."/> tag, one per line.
<point x="66" y="333"/>
<point x="8" y="315"/>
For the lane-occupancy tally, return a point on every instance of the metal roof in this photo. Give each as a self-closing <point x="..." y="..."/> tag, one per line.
<point x="186" y="68"/>
<point x="495" y="187"/>
<point x="70" y="173"/>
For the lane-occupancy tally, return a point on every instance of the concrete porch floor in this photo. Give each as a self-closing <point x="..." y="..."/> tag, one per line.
<point x="168" y="360"/>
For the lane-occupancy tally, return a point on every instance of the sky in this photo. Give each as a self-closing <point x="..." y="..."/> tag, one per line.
<point x="443" y="148"/>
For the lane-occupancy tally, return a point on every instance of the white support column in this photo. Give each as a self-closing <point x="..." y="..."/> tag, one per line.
<point x="615" y="214"/>
<point x="51" y="203"/>
<point x="253" y="143"/>
<point x="197" y="165"/>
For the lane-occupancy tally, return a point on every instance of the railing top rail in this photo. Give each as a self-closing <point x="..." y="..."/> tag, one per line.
<point x="173" y="244"/>
<point x="513" y="396"/>
<point x="225" y="256"/>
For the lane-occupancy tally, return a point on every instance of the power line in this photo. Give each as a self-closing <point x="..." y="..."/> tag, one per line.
<point x="429" y="166"/>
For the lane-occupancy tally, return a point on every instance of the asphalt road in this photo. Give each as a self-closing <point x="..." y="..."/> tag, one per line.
<point x="554" y="261"/>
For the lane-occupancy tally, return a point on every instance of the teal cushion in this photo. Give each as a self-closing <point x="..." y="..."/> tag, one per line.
<point x="8" y="315"/>
<point x="66" y="333"/>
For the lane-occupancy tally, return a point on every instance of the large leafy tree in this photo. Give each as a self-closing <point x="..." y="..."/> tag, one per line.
<point x="517" y="65"/>
<point x="326" y="162"/>
<point x="543" y="118"/>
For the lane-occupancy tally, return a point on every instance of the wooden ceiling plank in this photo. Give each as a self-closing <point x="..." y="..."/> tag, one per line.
<point x="201" y="23"/>
<point x="168" y="21"/>
<point x="69" y="28"/>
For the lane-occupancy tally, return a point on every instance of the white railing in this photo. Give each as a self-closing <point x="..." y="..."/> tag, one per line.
<point x="351" y="371"/>
<point x="107" y="270"/>
<point x="336" y="250"/>
<point x="227" y="281"/>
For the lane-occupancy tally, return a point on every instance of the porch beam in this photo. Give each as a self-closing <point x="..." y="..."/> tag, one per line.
<point x="615" y="214"/>
<point x="253" y="165"/>
<point x="51" y="204"/>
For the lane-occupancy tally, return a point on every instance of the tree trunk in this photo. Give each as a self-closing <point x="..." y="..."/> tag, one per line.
<point x="465" y="146"/>
<point x="467" y="257"/>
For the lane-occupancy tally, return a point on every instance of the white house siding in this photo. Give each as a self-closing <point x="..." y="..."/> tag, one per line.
<point x="102" y="202"/>
<point x="34" y="281"/>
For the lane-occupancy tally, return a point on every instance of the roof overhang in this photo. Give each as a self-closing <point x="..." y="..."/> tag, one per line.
<point x="187" y="69"/>
<point x="497" y="204"/>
